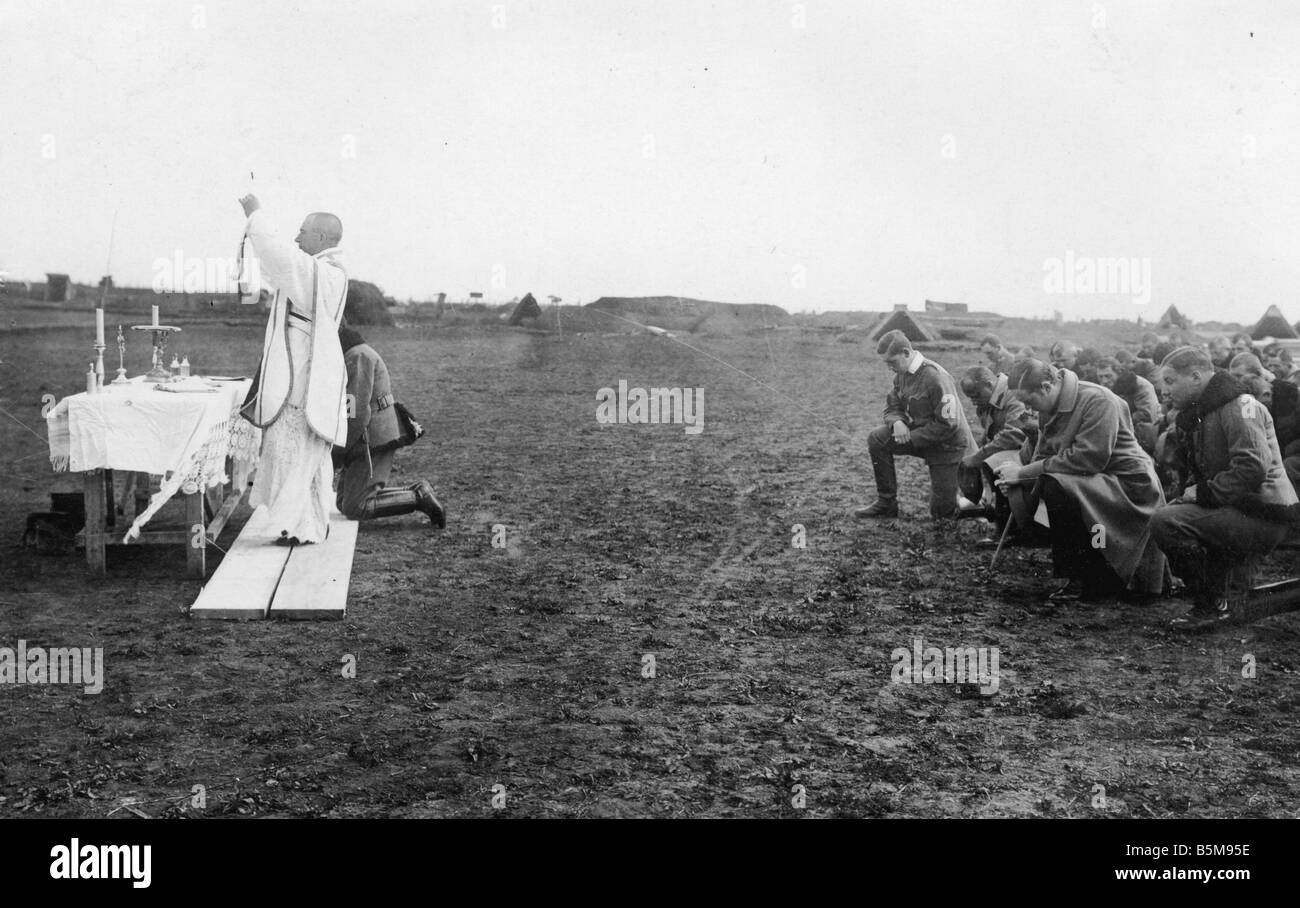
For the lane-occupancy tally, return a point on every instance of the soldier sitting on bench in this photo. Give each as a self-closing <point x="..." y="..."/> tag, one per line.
<point x="1240" y="503"/>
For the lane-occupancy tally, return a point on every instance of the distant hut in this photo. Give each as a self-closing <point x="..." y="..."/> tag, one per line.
<point x="57" y="288"/>
<point x="937" y="306"/>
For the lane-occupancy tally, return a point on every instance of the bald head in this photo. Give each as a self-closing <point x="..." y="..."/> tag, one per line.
<point x="320" y="230"/>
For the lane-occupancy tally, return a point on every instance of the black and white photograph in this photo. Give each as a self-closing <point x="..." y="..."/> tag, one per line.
<point x="609" y="409"/>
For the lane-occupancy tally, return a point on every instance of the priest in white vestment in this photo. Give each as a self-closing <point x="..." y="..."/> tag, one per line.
<point x="300" y="395"/>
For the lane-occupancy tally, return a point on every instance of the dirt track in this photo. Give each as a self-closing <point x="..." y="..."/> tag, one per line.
<point x="523" y="666"/>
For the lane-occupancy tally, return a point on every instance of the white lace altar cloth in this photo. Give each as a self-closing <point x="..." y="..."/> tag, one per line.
<point x="184" y="437"/>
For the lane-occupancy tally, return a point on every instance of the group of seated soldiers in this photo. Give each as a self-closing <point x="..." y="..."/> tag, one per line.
<point x="1174" y="460"/>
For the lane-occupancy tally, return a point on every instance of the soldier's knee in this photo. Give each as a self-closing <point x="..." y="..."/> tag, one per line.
<point x="878" y="440"/>
<point x="1053" y="493"/>
<point x="352" y="507"/>
<point x="1165" y="525"/>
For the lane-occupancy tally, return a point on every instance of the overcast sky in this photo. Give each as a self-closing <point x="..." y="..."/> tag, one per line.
<point x="814" y="155"/>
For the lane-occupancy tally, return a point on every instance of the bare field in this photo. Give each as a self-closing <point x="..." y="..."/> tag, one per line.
<point x="523" y="667"/>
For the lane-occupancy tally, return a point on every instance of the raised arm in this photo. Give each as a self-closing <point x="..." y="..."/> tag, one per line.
<point x="282" y="264"/>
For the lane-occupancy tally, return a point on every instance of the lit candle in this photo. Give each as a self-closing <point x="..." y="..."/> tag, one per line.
<point x="99" y="327"/>
<point x="155" y="315"/>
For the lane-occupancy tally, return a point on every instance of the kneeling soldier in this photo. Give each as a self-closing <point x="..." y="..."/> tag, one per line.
<point x="1140" y="396"/>
<point x="1240" y="503"/>
<point x="923" y="418"/>
<point x="1099" y="486"/>
<point x="1004" y="422"/>
<point x="373" y="436"/>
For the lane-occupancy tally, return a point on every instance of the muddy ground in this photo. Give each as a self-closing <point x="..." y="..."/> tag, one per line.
<point x="524" y="666"/>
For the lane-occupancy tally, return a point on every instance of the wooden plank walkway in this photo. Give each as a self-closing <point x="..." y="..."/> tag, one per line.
<point x="244" y="584"/>
<point x="259" y="579"/>
<point x="315" y="581"/>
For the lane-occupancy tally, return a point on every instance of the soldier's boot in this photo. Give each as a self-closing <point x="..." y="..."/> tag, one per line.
<point x="390" y="503"/>
<point x="945" y="494"/>
<point x="1218" y="570"/>
<point x="429" y="504"/>
<point x="1213" y="602"/>
<point x="1243" y="576"/>
<point x="882" y="464"/>
<point x="882" y="507"/>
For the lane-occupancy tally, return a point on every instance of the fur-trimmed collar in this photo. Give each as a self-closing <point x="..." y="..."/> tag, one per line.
<point x="1221" y="389"/>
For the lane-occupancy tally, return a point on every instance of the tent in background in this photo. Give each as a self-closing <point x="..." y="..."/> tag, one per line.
<point x="1273" y="325"/>
<point x="901" y="320"/>
<point x="1174" y="319"/>
<point x="527" y="308"/>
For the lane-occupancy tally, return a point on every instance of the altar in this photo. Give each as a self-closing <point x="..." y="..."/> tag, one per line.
<point x="187" y="431"/>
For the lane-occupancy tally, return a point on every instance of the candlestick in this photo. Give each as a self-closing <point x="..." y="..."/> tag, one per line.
<point x="121" y="357"/>
<point x="159" y="371"/>
<point x="98" y="347"/>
